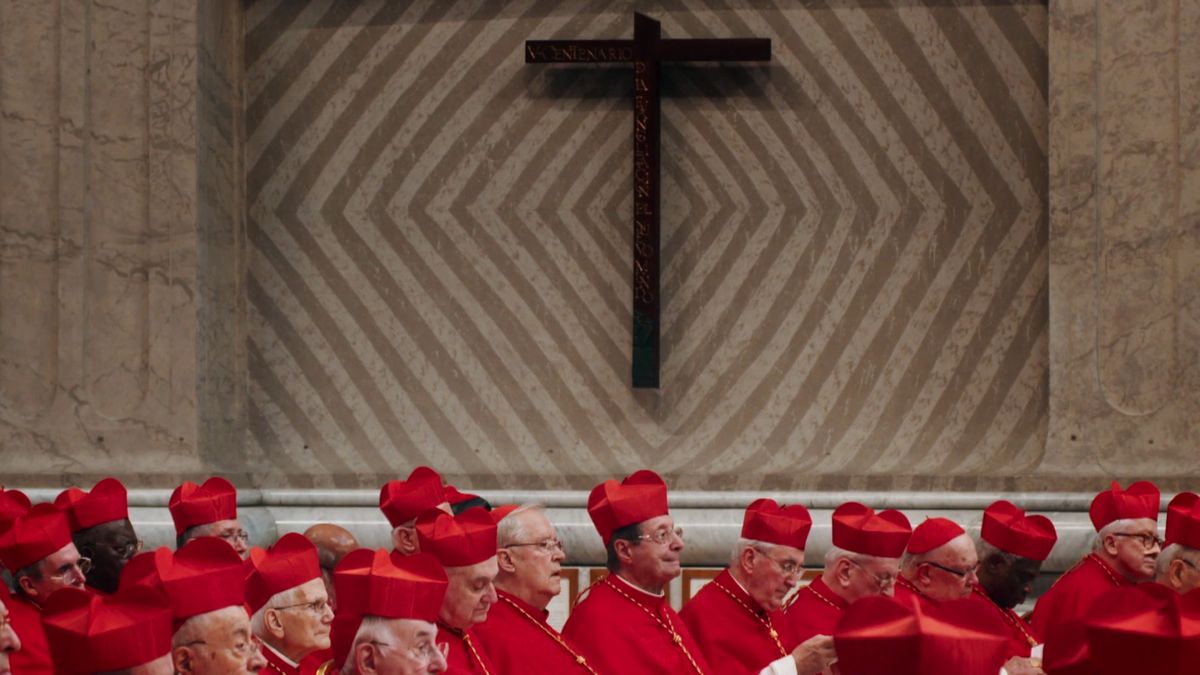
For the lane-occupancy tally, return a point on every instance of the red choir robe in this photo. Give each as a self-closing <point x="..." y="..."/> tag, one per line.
<point x="464" y="655"/>
<point x="278" y="663"/>
<point x="622" y="629"/>
<point x="1022" y="636"/>
<point x="909" y="594"/>
<point x="309" y="665"/>
<point x="816" y="610"/>
<point x="734" y="631"/>
<point x="517" y="639"/>
<point x="1069" y="599"/>
<point x="26" y="620"/>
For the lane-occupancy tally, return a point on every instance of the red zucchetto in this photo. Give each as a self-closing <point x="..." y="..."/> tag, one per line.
<point x="1147" y="628"/>
<point x="374" y="583"/>
<point x="932" y="533"/>
<point x="859" y="529"/>
<point x="91" y="633"/>
<point x="1183" y="520"/>
<point x="501" y="512"/>
<point x="1141" y="500"/>
<point x="193" y="505"/>
<point x="203" y="576"/>
<point x="880" y="635"/>
<point x="292" y="561"/>
<point x="28" y="538"/>
<point x="403" y="500"/>
<point x="108" y="501"/>
<point x="457" y="541"/>
<point x="783" y="525"/>
<point x="1009" y="529"/>
<point x="640" y="497"/>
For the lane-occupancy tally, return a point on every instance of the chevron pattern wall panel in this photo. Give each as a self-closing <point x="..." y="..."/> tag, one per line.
<point x="854" y="246"/>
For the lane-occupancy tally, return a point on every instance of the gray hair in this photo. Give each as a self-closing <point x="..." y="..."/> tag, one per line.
<point x="372" y="629"/>
<point x="1168" y="555"/>
<point x="281" y="599"/>
<point x="1115" y="527"/>
<point x="742" y="544"/>
<point x="510" y="529"/>
<point x="834" y="554"/>
<point x="195" y="628"/>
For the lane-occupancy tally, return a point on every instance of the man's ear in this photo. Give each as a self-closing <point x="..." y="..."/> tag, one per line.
<point x="365" y="657"/>
<point x="272" y="623"/>
<point x="404" y="539"/>
<point x="1110" y="544"/>
<point x="28" y="586"/>
<point x="624" y="550"/>
<point x="183" y="659"/>
<point x="747" y="558"/>
<point x="505" y="560"/>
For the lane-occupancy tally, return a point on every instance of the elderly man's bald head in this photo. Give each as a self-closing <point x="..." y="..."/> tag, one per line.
<point x="332" y="541"/>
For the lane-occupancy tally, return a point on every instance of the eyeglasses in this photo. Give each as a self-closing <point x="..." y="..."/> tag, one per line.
<point x="425" y="652"/>
<point x="1148" y="541"/>
<point x="547" y="546"/>
<point x="885" y="581"/>
<point x="317" y="607"/>
<point x="240" y="649"/>
<point x="84" y="565"/>
<point x="232" y="536"/>
<point x="961" y="574"/>
<point x="790" y="568"/>
<point x="1187" y="562"/>
<point x="128" y="550"/>
<point x="661" y="537"/>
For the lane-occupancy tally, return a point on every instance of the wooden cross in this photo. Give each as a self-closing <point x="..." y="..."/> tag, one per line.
<point x="646" y="51"/>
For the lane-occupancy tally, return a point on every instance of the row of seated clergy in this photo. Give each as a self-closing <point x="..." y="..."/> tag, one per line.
<point x="492" y="575"/>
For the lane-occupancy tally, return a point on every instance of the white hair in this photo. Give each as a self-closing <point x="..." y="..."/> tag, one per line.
<point x="834" y="554"/>
<point x="1115" y="527"/>
<point x="1168" y="555"/>
<point x="197" y="628"/>
<point x="742" y="544"/>
<point x="372" y="629"/>
<point x="511" y="529"/>
<point x="291" y="596"/>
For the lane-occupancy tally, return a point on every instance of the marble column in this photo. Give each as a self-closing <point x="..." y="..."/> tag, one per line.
<point x="1124" y="239"/>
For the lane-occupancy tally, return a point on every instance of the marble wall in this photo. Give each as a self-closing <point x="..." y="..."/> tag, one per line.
<point x="960" y="249"/>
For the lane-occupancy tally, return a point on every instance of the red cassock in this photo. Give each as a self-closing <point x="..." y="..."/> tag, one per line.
<point x="517" y="639"/>
<point x="622" y="629"/>
<point x="34" y="656"/>
<point x="908" y="594"/>
<point x="1023" y="638"/>
<point x="464" y="655"/>
<point x="276" y="663"/>
<point x="736" y="634"/>
<point x="1070" y="597"/>
<point x="815" y="611"/>
<point x="309" y="665"/>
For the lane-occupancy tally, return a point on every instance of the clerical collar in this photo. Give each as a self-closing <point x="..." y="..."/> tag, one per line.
<point x="277" y="653"/>
<point x="637" y="588"/>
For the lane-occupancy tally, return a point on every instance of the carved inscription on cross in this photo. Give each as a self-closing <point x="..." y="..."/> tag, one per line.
<point x="646" y="51"/>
